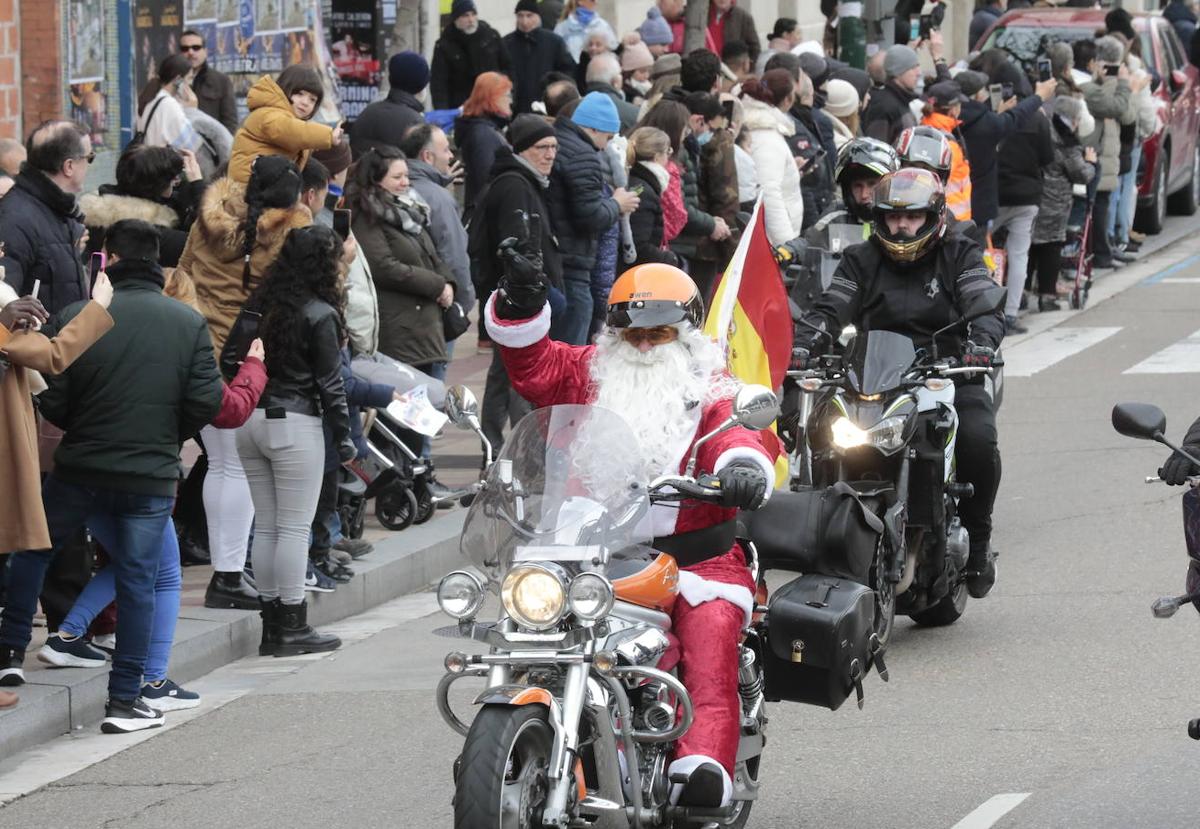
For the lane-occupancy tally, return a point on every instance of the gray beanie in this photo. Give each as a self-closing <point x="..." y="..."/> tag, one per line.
<point x="1068" y="107"/>
<point x="1109" y="50"/>
<point x="899" y="59"/>
<point x="1061" y="58"/>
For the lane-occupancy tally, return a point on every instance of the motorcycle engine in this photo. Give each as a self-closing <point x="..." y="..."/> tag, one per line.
<point x="958" y="544"/>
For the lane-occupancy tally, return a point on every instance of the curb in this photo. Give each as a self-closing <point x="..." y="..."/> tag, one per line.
<point x="58" y="701"/>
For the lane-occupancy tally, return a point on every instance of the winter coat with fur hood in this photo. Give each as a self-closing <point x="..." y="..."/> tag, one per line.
<point x="783" y="204"/>
<point x="213" y="258"/>
<point x="103" y="209"/>
<point x="272" y="128"/>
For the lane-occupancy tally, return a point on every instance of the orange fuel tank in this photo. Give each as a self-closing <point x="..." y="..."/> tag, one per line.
<point x="655" y="586"/>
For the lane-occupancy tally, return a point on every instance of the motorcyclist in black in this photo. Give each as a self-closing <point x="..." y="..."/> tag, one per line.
<point x="1178" y="467"/>
<point x="861" y="163"/>
<point x="911" y="277"/>
<point x="928" y="148"/>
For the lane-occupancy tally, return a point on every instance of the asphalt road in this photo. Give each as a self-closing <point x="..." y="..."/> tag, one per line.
<point x="1056" y="702"/>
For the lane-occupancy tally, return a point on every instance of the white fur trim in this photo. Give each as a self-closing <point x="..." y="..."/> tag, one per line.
<point x="747" y="453"/>
<point x="696" y="591"/>
<point x="519" y="335"/>
<point x="687" y="765"/>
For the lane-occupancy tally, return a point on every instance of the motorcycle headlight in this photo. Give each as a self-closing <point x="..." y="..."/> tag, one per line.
<point x="846" y="435"/>
<point x="534" y="596"/>
<point x="460" y="594"/>
<point x="590" y="597"/>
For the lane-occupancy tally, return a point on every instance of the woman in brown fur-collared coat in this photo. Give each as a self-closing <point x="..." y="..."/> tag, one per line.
<point x="235" y="238"/>
<point x="22" y="518"/>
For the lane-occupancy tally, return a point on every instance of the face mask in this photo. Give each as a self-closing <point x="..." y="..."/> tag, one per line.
<point x="704" y="139"/>
<point x="583" y="15"/>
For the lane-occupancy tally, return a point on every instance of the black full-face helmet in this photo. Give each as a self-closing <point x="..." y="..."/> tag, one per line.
<point x="909" y="190"/>
<point x="862" y="158"/>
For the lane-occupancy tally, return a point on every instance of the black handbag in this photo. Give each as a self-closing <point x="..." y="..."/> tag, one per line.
<point x="237" y="344"/>
<point x="454" y="322"/>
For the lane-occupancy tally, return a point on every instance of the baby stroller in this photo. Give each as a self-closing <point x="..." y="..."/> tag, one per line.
<point x="1077" y="253"/>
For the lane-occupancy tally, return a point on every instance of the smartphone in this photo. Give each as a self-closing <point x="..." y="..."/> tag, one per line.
<point x="914" y="28"/>
<point x="97" y="264"/>
<point x="727" y="107"/>
<point x="996" y="94"/>
<point x="926" y="26"/>
<point x="341" y="223"/>
<point x="637" y="191"/>
<point x="1044" y="69"/>
<point x="1111" y="69"/>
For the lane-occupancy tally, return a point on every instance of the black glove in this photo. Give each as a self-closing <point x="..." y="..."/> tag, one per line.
<point x="801" y="359"/>
<point x="978" y="356"/>
<point x="1178" y="468"/>
<point x="743" y="485"/>
<point x="523" y="287"/>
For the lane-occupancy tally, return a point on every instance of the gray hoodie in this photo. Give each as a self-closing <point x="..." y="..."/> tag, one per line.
<point x="445" y="227"/>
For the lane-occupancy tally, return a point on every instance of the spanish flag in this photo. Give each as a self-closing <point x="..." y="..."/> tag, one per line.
<point x="749" y="317"/>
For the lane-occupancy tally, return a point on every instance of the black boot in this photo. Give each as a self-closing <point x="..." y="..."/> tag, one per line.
<point x="230" y="590"/>
<point x="270" y="627"/>
<point x="295" y="636"/>
<point x="704" y="789"/>
<point x="981" y="572"/>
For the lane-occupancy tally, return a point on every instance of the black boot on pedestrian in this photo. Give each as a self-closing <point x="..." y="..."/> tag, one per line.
<point x="192" y="552"/>
<point x="981" y="572"/>
<point x="270" y="627"/>
<point x="295" y="636"/>
<point x="230" y="590"/>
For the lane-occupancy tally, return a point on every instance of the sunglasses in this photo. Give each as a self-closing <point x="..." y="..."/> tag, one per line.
<point x="197" y="48"/>
<point x="658" y="335"/>
<point x="89" y="158"/>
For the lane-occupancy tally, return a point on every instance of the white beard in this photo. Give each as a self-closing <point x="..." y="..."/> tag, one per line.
<point x="660" y="393"/>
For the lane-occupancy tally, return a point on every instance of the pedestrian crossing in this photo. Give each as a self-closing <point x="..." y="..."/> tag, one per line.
<point x="1182" y="357"/>
<point x="1049" y="348"/>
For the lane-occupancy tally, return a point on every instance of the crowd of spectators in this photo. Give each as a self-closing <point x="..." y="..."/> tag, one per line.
<point x="230" y="311"/>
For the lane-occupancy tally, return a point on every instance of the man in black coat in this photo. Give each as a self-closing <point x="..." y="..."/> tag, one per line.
<point x="214" y="90"/>
<point x="984" y="129"/>
<point x="467" y="48"/>
<point x="533" y="51"/>
<point x="889" y="110"/>
<point x="985" y="16"/>
<point x="40" y="223"/>
<point x="514" y="207"/>
<point x="384" y="123"/>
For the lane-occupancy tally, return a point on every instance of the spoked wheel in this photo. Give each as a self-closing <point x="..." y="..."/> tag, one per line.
<point x="396" y="507"/>
<point x="945" y="612"/>
<point x="503" y="782"/>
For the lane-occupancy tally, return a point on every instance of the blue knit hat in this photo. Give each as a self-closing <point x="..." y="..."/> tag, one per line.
<point x="655" y="30"/>
<point x="597" y="111"/>
<point x="408" y="71"/>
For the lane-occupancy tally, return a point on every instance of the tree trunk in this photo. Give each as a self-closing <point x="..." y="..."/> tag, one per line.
<point x="695" y="18"/>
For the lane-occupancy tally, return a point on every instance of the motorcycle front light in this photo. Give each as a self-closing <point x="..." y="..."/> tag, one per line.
<point x="590" y="597"/>
<point x="460" y="594"/>
<point x="534" y="596"/>
<point x="888" y="434"/>
<point x="846" y="435"/>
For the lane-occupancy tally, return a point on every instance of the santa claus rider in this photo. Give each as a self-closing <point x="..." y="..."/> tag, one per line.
<point x="653" y="366"/>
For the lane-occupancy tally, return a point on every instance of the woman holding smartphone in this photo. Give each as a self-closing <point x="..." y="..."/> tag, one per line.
<point x="282" y="446"/>
<point x="162" y="121"/>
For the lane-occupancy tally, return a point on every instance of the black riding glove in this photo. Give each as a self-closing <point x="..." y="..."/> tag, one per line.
<point x="1179" y="468"/>
<point x="523" y="286"/>
<point x="801" y="359"/>
<point x="978" y="356"/>
<point x="743" y="485"/>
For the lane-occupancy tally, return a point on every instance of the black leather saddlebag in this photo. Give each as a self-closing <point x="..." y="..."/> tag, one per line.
<point x="828" y="531"/>
<point x="820" y="641"/>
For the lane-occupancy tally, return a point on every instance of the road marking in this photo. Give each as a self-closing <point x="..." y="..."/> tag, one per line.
<point x="71" y="753"/>
<point x="991" y="811"/>
<point x="1181" y="280"/>
<point x="1043" y="350"/>
<point x="1162" y="275"/>
<point x="1182" y="357"/>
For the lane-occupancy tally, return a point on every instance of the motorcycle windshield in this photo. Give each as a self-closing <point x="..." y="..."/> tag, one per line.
<point x="877" y="360"/>
<point x="567" y="487"/>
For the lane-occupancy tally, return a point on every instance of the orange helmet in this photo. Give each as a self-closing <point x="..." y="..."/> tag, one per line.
<point x="654" y="294"/>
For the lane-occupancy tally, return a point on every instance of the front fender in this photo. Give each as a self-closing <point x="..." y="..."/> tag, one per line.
<point x="518" y="695"/>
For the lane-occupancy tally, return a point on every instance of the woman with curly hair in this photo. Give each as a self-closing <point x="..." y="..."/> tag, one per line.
<point x="282" y="446"/>
<point x="477" y="132"/>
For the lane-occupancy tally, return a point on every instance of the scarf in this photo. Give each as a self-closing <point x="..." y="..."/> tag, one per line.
<point x="542" y="181"/>
<point x="407" y="212"/>
<point x="673" y="209"/>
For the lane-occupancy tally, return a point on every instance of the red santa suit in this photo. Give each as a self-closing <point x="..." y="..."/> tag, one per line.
<point x="717" y="594"/>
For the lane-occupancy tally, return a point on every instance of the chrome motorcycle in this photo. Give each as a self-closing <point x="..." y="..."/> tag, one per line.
<point x="576" y="723"/>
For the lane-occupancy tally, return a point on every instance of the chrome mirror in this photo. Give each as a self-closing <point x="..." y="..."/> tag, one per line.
<point x="755" y="407"/>
<point x="461" y="406"/>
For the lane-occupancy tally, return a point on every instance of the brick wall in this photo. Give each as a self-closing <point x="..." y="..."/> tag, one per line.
<point x="10" y="89"/>
<point x="41" y="61"/>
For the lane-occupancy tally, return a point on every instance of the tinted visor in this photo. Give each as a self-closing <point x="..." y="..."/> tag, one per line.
<point x="918" y="190"/>
<point x="646" y="313"/>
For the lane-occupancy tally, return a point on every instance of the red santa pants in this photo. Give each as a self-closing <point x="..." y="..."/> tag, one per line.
<point x="709" y="637"/>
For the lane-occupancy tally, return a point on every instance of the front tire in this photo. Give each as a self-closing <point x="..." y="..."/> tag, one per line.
<point x="503" y="779"/>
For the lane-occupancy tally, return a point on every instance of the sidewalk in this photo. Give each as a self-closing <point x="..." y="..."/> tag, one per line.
<point x="60" y="700"/>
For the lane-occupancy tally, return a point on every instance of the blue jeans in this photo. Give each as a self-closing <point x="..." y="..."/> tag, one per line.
<point x="572" y="325"/>
<point x="137" y="522"/>
<point x="102" y="589"/>
<point x="438" y="372"/>
<point x="1128" y="199"/>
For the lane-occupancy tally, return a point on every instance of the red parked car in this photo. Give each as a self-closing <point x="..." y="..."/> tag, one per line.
<point x="1169" y="172"/>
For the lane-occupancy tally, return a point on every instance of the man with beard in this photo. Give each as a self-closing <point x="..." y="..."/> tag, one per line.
<point x="912" y="277"/>
<point x="652" y="364"/>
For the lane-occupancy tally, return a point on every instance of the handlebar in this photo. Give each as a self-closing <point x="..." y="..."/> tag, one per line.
<point x="706" y="488"/>
<point x="1192" y="480"/>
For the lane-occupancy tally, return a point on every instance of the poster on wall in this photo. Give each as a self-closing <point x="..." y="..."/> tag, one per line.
<point x="89" y="107"/>
<point x="85" y="41"/>
<point x="156" y="28"/>
<point x="352" y="26"/>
